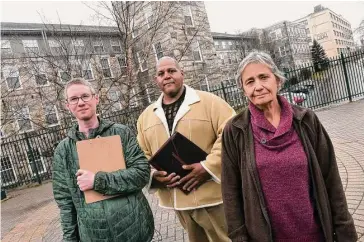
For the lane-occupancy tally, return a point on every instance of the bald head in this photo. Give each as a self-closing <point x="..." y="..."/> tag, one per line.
<point x="164" y="58"/>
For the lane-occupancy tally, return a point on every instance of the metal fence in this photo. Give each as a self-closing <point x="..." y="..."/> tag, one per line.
<point x="27" y="157"/>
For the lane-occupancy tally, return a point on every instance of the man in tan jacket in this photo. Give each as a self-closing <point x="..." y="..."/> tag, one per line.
<point x="199" y="116"/>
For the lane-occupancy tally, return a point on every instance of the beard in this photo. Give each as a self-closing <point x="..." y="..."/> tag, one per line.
<point x="174" y="92"/>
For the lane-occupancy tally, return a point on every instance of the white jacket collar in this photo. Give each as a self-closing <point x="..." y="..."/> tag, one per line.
<point x="191" y="97"/>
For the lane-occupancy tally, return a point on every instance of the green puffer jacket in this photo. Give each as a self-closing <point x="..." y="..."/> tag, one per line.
<point x="125" y="218"/>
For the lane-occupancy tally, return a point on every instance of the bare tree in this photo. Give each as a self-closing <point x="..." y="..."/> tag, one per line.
<point x="124" y="79"/>
<point x="258" y="39"/>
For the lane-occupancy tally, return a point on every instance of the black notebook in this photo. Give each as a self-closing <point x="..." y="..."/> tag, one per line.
<point x="176" y="152"/>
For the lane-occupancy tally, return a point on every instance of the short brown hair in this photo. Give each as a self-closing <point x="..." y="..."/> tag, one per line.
<point x="78" y="81"/>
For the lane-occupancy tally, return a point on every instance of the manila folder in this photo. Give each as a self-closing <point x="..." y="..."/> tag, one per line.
<point x="100" y="154"/>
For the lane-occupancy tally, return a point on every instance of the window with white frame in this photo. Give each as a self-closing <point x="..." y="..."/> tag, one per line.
<point x="148" y="14"/>
<point x="142" y="62"/>
<point x="51" y="114"/>
<point x="31" y="47"/>
<point x="216" y="43"/>
<point x="79" y="46"/>
<point x="115" y="46"/>
<point x="122" y="64"/>
<point x="8" y="175"/>
<point x="158" y="52"/>
<point x="5" y="47"/>
<point x="98" y="46"/>
<point x="273" y="36"/>
<point x="223" y="43"/>
<point x="133" y="100"/>
<point x="64" y="76"/>
<point x="197" y="55"/>
<point x="87" y="71"/>
<point x="55" y="46"/>
<point x="114" y="100"/>
<point x="23" y="119"/>
<point x="36" y="162"/>
<point x="283" y="51"/>
<point x="230" y="43"/>
<point x="222" y="59"/>
<point x="11" y="74"/>
<point x="105" y="67"/>
<point x="204" y="83"/>
<point x="135" y="30"/>
<point x="40" y="74"/>
<point x="149" y="93"/>
<point x="188" y="15"/>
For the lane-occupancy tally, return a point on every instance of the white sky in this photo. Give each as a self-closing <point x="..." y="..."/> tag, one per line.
<point x="224" y="16"/>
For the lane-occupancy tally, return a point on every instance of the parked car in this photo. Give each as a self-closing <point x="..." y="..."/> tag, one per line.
<point x="296" y="97"/>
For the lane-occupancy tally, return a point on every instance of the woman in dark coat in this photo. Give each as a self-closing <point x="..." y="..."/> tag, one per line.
<point x="280" y="178"/>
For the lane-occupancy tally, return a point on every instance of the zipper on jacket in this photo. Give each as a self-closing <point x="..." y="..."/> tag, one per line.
<point x="303" y="140"/>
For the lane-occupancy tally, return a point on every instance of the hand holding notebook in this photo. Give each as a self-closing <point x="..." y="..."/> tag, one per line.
<point x="176" y="152"/>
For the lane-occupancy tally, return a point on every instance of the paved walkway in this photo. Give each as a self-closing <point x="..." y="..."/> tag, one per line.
<point x="31" y="214"/>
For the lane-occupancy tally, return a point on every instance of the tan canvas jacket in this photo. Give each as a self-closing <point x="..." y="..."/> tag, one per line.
<point x="201" y="118"/>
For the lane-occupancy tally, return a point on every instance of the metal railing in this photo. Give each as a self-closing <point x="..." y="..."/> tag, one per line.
<point x="27" y="157"/>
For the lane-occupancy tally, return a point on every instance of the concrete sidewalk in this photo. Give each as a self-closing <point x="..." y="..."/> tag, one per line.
<point x="32" y="215"/>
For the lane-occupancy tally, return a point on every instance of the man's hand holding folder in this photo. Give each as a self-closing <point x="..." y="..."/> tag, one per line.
<point x="179" y="158"/>
<point x="192" y="181"/>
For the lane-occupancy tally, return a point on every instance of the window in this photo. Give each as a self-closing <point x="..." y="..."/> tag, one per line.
<point x="133" y="100"/>
<point x="40" y="74"/>
<point x="35" y="161"/>
<point x="5" y="47"/>
<point x="87" y="71"/>
<point x="197" y="56"/>
<point x="11" y="74"/>
<point x="222" y="59"/>
<point x="79" y="46"/>
<point x="147" y="91"/>
<point x="115" y="46"/>
<point x="98" y="46"/>
<point x="188" y="15"/>
<point x="142" y="62"/>
<point x="114" y="100"/>
<point x="122" y="64"/>
<point x="223" y="43"/>
<point x="105" y="67"/>
<point x="283" y="50"/>
<point x="158" y="51"/>
<point x="64" y="76"/>
<point x="273" y="36"/>
<point x="8" y="175"/>
<point x="31" y="47"/>
<point x="148" y="13"/>
<point x="51" y="115"/>
<point x="230" y="43"/>
<point x="135" y="30"/>
<point x="23" y="119"/>
<point x="216" y="43"/>
<point x="204" y="83"/>
<point x="55" y="47"/>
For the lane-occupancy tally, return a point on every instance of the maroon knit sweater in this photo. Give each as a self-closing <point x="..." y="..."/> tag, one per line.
<point x="284" y="176"/>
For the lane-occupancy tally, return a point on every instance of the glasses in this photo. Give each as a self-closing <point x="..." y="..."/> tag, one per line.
<point x="85" y="98"/>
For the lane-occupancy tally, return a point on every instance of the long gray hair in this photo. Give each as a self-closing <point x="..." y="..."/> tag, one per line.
<point x="259" y="57"/>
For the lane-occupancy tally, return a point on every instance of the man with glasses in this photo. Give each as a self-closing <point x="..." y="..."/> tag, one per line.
<point x="126" y="217"/>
